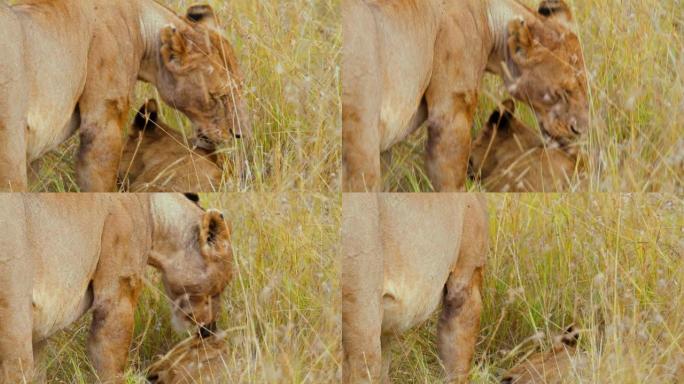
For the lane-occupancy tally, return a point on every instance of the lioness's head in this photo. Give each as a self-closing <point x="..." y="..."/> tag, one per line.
<point x="192" y="249"/>
<point x="200" y="77"/>
<point x="547" y="367"/>
<point x="547" y="69"/>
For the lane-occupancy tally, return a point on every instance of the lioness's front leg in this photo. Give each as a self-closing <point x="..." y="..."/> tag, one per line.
<point x="448" y="146"/>
<point x="459" y="323"/>
<point x="110" y="336"/>
<point x="451" y="98"/>
<point x="101" y="142"/>
<point x="116" y="286"/>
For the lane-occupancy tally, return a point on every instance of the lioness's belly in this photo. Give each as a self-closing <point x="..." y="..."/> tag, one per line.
<point x="421" y="242"/>
<point x="410" y="298"/>
<point x="56" y="66"/>
<point x="406" y="40"/>
<point x="64" y="236"/>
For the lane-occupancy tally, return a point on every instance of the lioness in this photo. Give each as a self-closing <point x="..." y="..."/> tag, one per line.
<point x="197" y="359"/>
<point x="508" y="156"/>
<point x="550" y="367"/>
<point x="407" y="62"/>
<point x="63" y="255"/>
<point x="158" y="159"/>
<point x="73" y="64"/>
<point x="403" y="255"/>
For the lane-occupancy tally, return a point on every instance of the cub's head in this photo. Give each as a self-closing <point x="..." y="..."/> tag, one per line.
<point x="501" y="135"/>
<point x="192" y="249"/>
<point x="196" y="359"/>
<point x="547" y="367"/>
<point x="200" y="77"/>
<point x="547" y="67"/>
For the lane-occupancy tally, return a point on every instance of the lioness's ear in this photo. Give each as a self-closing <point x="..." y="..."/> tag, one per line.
<point x="519" y="40"/>
<point x="174" y="50"/>
<point x="555" y="9"/>
<point x="147" y="116"/>
<point x="214" y="235"/>
<point x="202" y="14"/>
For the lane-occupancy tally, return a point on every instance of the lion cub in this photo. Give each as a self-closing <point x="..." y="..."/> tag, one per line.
<point x="157" y="159"/>
<point x="551" y="367"/>
<point x="508" y="156"/>
<point x="197" y="359"/>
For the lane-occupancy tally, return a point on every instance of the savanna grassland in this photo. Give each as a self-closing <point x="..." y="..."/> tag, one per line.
<point x="611" y="265"/>
<point x="288" y="54"/>
<point x="634" y="53"/>
<point x="281" y="310"/>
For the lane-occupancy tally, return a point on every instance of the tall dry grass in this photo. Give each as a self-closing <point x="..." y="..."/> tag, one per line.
<point x="611" y="264"/>
<point x="281" y="310"/>
<point x="635" y="60"/>
<point x="288" y="53"/>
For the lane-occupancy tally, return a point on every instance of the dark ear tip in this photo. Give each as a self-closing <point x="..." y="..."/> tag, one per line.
<point x="199" y="11"/>
<point x="545" y="11"/>
<point x="192" y="197"/>
<point x="570" y="336"/>
<point x="494" y="118"/>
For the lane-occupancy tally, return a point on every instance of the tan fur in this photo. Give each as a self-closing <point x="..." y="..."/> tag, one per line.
<point x="407" y="62"/>
<point x="66" y="70"/>
<point x="65" y="255"/>
<point x="193" y="360"/>
<point x="508" y="156"/>
<point x="158" y="159"/>
<point x="403" y="255"/>
<point x="549" y="367"/>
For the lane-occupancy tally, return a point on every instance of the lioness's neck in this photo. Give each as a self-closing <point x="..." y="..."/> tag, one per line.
<point x="172" y="217"/>
<point x="499" y="14"/>
<point x="153" y="18"/>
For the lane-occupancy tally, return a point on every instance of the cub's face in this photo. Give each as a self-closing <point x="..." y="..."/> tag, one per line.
<point x="501" y="136"/>
<point x="548" y="367"/>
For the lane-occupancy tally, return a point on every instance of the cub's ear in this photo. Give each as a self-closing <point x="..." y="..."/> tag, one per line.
<point x="570" y="337"/>
<point x="555" y="9"/>
<point x="214" y="235"/>
<point x="147" y="117"/>
<point x="502" y="117"/>
<point x="202" y="14"/>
